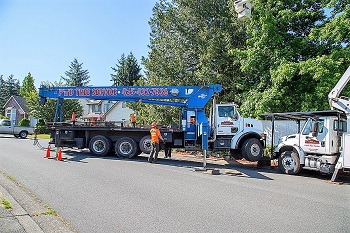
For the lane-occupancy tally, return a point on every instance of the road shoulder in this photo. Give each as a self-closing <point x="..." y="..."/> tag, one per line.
<point x="28" y="213"/>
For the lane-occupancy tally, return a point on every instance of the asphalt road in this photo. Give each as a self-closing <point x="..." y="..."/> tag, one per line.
<point x="113" y="195"/>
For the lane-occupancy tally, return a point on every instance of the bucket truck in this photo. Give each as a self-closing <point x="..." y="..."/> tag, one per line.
<point x="225" y="129"/>
<point x="323" y="144"/>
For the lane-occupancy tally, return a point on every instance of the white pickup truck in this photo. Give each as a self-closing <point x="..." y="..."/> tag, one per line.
<point x="18" y="131"/>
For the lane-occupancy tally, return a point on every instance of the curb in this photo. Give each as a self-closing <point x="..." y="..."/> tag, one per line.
<point x="28" y="213"/>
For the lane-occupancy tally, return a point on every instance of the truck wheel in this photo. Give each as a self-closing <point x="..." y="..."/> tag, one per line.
<point x="126" y="147"/>
<point x="100" y="145"/>
<point x="289" y="162"/>
<point x="145" y="144"/>
<point x="252" y="149"/>
<point x="23" y="134"/>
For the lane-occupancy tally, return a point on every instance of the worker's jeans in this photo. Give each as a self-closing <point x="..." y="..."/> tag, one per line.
<point x="154" y="152"/>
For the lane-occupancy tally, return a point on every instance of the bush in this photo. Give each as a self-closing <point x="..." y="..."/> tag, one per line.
<point x="43" y="130"/>
<point x="4" y="117"/>
<point x="24" y="122"/>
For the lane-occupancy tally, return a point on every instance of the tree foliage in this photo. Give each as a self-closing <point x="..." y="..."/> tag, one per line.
<point x="76" y="75"/>
<point x="8" y="88"/>
<point x="27" y="86"/>
<point x="48" y="110"/>
<point x="190" y="44"/>
<point x="291" y="62"/>
<point x="126" y="71"/>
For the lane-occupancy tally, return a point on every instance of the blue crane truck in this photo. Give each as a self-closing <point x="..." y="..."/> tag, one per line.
<point x="225" y="129"/>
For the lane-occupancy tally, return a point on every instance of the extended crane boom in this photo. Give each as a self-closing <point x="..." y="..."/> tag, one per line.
<point x="227" y="130"/>
<point x="194" y="96"/>
<point x="337" y="102"/>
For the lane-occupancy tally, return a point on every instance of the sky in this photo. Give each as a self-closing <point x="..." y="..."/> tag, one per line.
<point x="44" y="36"/>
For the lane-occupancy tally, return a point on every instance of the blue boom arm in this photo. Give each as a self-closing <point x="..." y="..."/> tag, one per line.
<point x="193" y="96"/>
<point x="192" y="99"/>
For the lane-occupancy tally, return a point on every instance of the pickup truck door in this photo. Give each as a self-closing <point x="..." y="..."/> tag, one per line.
<point x="5" y="127"/>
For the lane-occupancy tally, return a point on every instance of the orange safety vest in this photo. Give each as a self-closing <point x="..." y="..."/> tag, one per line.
<point x="155" y="135"/>
<point x="132" y="117"/>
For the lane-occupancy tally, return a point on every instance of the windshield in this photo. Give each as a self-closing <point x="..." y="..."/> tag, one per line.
<point x="226" y="111"/>
<point x="310" y="125"/>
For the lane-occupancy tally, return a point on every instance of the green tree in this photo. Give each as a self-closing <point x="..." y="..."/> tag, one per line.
<point x="283" y="61"/>
<point x="47" y="111"/>
<point x="8" y="88"/>
<point x="190" y="44"/>
<point x="76" y="75"/>
<point x="126" y="71"/>
<point x="27" y="86"/>
<point x="2" y="95"/>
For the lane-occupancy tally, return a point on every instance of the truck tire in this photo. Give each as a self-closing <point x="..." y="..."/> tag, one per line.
<point x="23" y="134"/>
<point x="145" y="144"/>
<point x="289" y="162"/>
<point x="252" y="149"/>
<point x="100" y="145"/>
<point x="126" y="147"/>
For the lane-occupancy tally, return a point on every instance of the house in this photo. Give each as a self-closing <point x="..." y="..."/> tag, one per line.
<point x="16" y="109"/>
<point x="106" y="110"/>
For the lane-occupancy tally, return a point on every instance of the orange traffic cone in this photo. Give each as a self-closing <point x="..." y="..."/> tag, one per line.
<point x="48" y="152"/>
<point x="59" y="156"/>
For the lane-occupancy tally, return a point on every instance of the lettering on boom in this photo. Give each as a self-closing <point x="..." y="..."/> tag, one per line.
<point x="113" y="91"/>
<point x="145" y="91"/>
<point x="65" y="92"/>
<point x="99" y="92"/>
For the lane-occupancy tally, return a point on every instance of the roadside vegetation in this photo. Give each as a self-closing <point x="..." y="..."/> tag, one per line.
<point x="286" y="57"/>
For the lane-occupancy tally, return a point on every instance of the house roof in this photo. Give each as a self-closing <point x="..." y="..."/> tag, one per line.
<point x="93" y="102"/>
<point x="20" y="101"/>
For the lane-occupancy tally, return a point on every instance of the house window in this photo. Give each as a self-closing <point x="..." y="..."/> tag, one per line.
<point x="8" y="113"/>
<point x="96" y="108"/>
<point x="123" y="104"/>
<point x="106" y="107"/>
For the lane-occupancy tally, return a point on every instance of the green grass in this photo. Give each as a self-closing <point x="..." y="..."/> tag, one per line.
<point x="6" y="204"/>
<point x="40" y="136"/>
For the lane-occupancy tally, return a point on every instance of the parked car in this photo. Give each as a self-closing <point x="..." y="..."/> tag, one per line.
<point x="18" y="131"/>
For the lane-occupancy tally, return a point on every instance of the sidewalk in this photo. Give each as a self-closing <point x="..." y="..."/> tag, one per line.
<point x="27" y="214"/>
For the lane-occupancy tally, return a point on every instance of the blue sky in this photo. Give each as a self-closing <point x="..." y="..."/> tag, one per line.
<point x="44" y="36"/>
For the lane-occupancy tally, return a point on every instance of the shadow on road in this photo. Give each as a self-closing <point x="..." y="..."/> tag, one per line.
<point x="193" y="163"/>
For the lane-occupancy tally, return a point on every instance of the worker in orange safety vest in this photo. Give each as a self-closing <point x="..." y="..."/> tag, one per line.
<point x="155" y="136"/>
<point x="132" y="119"/>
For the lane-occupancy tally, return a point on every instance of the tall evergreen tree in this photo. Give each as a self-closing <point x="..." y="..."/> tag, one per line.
<point x="2" y="95"/>
<point x="190" y="44"/>
<point x="126" y="72"/>
<point x="76" y="75"/>
<point x="27" y="86"/>
<point x="8" y="88"/>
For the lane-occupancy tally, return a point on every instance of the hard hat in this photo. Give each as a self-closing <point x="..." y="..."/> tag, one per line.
<point x="154" y="124"/>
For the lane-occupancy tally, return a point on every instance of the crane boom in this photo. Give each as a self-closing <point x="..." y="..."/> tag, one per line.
<point x="335" y="101"/>
<point x="193" y="96"/>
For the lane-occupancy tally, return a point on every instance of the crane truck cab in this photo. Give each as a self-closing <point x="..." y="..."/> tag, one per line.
<point x="244" y="137"/>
